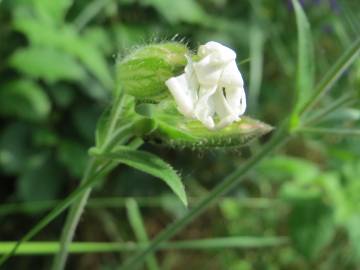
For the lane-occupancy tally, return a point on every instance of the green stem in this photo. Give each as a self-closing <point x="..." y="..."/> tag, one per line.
<point x="321" y="114"/>
<point x="46" y="248"/>
<point x="77" y="208"/>
<point x="138" y="226"/>
<point x="73" y="219"/>
<point x="58" y="210"/>
<point x="116" y="202"/>
<point x="331" y="131"/>
<point x="333" y="75"/>
<point x="229" y="183"/>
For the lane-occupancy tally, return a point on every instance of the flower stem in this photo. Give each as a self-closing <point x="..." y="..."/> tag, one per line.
<point x="72" y="219"/>
<point x="77" y="208"/>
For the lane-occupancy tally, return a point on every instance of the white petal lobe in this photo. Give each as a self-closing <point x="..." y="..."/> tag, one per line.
<point x="212" y="89"/>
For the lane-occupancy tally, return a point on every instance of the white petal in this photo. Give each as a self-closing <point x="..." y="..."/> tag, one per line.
<point x="219" y="52"/>
<point x="222" y="108"/>
<point x="207" y="72"/>
<point x="191" y="78"/>
<point x="198" y="92"/>
<point x="231" y="75"/>
<point x="182" y="94"/>
<point x="235" y="97"/>
<point x="226" y="112"/>
<point x="204" y="108"/>
<point x="242" y="107"/>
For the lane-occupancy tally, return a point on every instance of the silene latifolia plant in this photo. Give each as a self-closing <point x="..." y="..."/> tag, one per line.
<point x="167" y="95"/>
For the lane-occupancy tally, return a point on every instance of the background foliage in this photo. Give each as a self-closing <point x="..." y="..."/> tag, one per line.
<point x="56" y="76"/>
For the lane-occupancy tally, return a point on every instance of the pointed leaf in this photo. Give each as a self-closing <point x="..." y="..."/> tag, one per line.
<point x="311" y="227"/>
<point x="24" y="99"/>
<point x="151" y="164"/>
<point x="305" y="63"/>
<point x="47" y="63"/>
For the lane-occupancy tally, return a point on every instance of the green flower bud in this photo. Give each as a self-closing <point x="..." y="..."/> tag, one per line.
<point x="167" y="126"/>
<point x="143" y="73"/>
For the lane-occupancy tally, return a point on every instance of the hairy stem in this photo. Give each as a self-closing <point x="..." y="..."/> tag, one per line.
<point x="73" y="219"/>
<point x="77" y="208"/>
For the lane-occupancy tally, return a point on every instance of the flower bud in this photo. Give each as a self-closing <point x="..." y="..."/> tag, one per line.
<point x="143" y="73"/>
<point x="170" y="128"/>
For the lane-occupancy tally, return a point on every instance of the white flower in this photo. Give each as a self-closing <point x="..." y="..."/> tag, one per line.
<point x="212" y="89"/>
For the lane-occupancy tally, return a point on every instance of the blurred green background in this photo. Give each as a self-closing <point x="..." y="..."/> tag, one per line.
<point x="57" y="62"/>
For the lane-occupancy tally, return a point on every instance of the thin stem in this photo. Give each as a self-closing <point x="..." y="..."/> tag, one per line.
<point x="58" y="210"/>
<point x="229" y="183"/>
<point x="331" y="131"/>
<point x="73" y="219"/>
<point x="116" y="110"/>
<point x="319" y="115"/>
<point x="333" y="75"/>
<point x="243" y="242"/>
<point x="77" y="208"/>
<point x="116" y="202"/>
<point x="89" y="12"/>
<point x="138" y="226"/>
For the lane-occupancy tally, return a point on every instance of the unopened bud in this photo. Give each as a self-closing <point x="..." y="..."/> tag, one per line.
<point x="143" y="73"/>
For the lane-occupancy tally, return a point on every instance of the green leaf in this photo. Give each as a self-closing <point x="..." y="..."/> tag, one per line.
<point x="40" y="181"/>
<point x="98" y="36"/>
<point x="52" y="11"/>
<point x="280" y="168"/>
<point x="353" y="230"/>
<point x="186" y="10"/>
<point x="151" y="164"/>
<point x="74" y="156"/>
<point x="305" y="63"/>
<point x="83" y="119"/>
<point x="48" y="11"/>
<point x="65" y="38"/>
<point x="311" y="227"/>
<point x="47" y="63"/>
<point x="14" y="148"/>
<point x="24" y="99"/>
<point x="175" y="130"/>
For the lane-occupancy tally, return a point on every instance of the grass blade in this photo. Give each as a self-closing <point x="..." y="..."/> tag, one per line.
<point x="48" y="248"/>
<point x="331" y="131"/>
<point x="333" y="75"/>
<point x="54" y="213"/>
<point x="138" y="227"/>
<point x="305" y="63"/>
